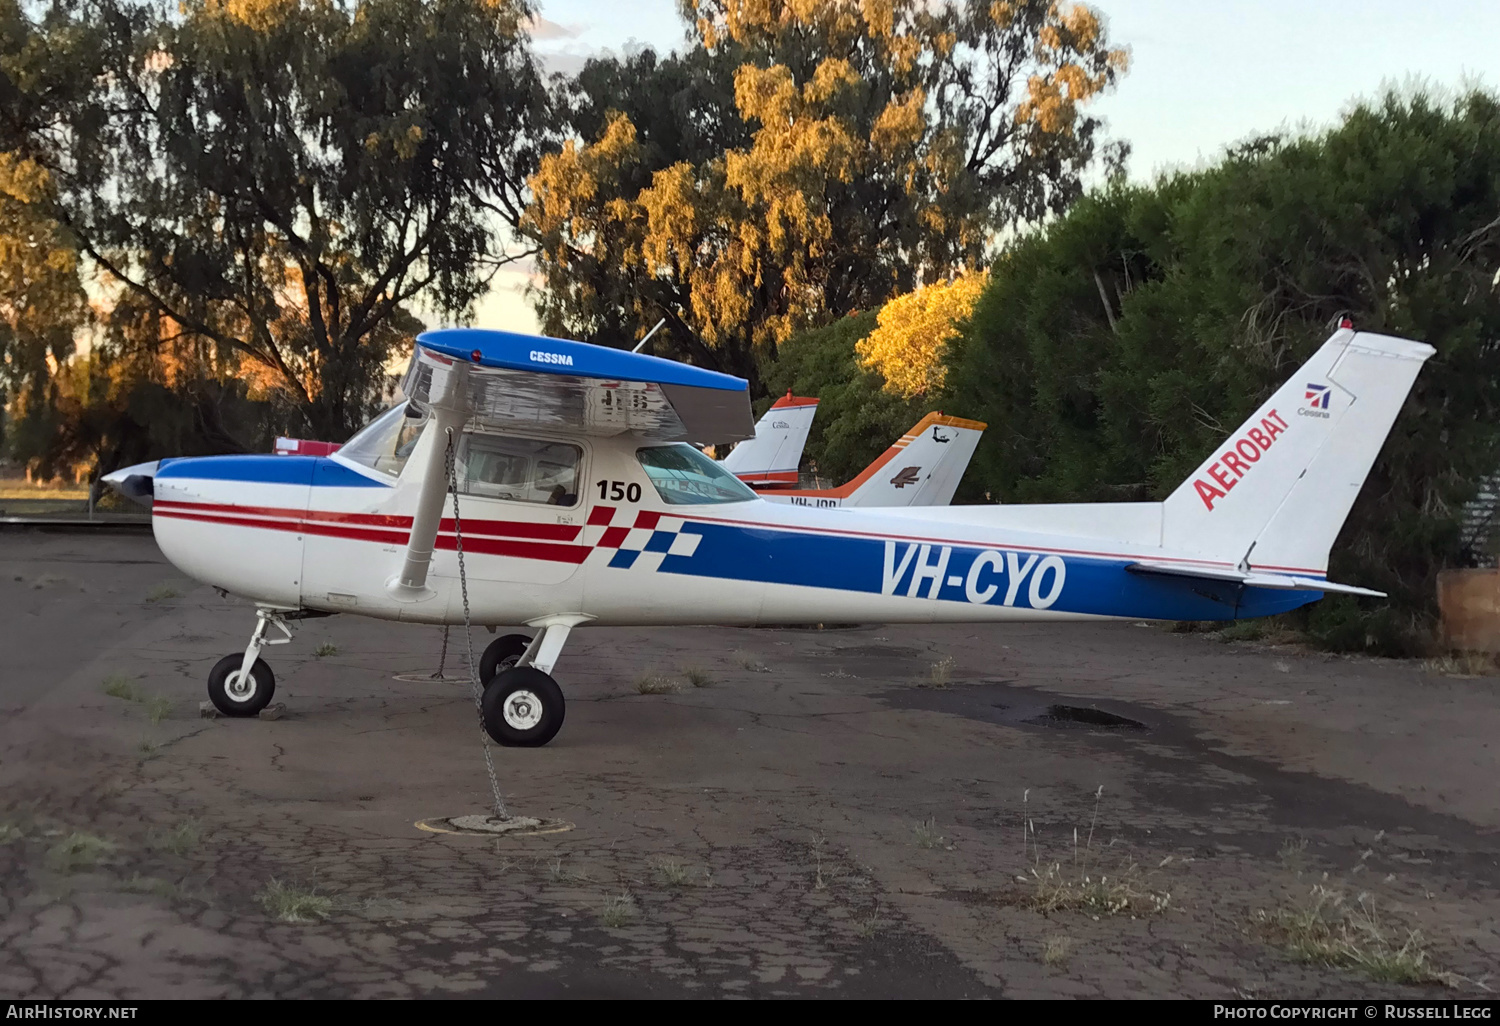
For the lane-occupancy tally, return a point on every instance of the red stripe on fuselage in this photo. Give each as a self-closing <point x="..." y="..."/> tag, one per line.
<point x="490" y="537"/>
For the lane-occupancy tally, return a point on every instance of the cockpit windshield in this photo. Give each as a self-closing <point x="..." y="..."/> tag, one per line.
<point x="683" y="476"/>
<point x="386" y="443"/>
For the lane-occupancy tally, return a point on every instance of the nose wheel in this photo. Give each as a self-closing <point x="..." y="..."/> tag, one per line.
<point x="242" y="684"/>
<point x="522" y="708"/>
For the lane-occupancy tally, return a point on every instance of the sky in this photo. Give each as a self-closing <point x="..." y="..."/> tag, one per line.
<point x="1203" y="74"/>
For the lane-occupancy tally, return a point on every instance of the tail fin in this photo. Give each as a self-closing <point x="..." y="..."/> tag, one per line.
<point x="1276" y="494"/>
<point x="922" y="468"/>
<point x="772" y="456"/>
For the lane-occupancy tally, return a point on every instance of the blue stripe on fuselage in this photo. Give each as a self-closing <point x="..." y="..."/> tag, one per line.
<point x="948" y="573"/>
<point x="295" y="470"/>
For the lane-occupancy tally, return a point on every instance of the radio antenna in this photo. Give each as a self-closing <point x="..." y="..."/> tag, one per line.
<point x="653" y="331"/>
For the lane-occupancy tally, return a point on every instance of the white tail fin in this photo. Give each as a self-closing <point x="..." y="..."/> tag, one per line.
<point x="1275" y="496"/>
<point x="772" y="456"/>
<point x="922" y="468"/>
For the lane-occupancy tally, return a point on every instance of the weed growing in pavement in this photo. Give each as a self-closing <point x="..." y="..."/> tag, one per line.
<point x="746" y="661"/>
<point x="116" y="686"/>
<point x="291" y="903"/>
<point x="180" y="839"/>
<point x="1056" y="949"/>
<point x="655" y="684"/>
<point x="939" y="674"/>
<point x="617" y="911"/>
<point x="157" y="707"/>
<point x="671" y="872"/>
<point x="78" y="850"/>
<point x="1081" y="886"/>
<point x="927" y="835"/>
<point x="1325" y="929"/>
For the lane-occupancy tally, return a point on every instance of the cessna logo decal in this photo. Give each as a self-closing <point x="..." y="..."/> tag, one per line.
<point x="1239" y="459"/>
<point x="907" y="476"/>
<point x="1317" y="401"/>
<point x="540" y="356"/>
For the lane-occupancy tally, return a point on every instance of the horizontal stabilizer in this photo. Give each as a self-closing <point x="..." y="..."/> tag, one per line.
<point x="1249" y="578"/>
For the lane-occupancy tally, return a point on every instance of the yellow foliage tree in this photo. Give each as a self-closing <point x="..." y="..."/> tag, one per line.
<point x="806" y="159"/>
<point x="912" y="332"/>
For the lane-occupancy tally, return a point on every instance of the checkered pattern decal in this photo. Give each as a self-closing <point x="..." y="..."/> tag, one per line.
<point x="641" y="540"/>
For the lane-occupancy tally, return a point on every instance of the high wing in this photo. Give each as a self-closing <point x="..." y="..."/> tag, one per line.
<point x="529" y="381"/>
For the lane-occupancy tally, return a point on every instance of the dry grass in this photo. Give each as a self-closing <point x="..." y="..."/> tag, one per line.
<point x="1293" y="854"/>
<point x="1082" y="886"/>
<point x="20" y="489"/>
<point x="325" y="649"/>
<point x="671" y="872"/>
<point x="926" y="835"/>
<point x="291" y="903"/>
<point x="1462" y="664"/>
<point x="1056" y="950"/>
<point x="1325" y="929"/>
<point x="1097" y="894"/>
<point x="697" y="676"/>
<point x="116" y="686"/>
<point x="617" y="911"/>
<point x="939" y="674"/>
<point x="180" y="839"/>
<point x="78" y="850"/>
<point x="9" y="832"/>
<point x="868" y="926"/>
<point x="655" y="684"/>
<point x="157" y="707"/>
<point x="746" y="661"/>
<point x="162" y="592"/>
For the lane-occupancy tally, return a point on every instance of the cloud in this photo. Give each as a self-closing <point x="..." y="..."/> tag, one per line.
<point x="542" y="28"/>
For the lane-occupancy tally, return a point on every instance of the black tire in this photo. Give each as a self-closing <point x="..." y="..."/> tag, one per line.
<point x="225" y="694"/>
<point x="523" y="708"/>
<point x="501" y="654"/>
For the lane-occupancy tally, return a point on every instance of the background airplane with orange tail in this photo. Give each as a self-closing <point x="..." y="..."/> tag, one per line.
<point x="922" y="468"/>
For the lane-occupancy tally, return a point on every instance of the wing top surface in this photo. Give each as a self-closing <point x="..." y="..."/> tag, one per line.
<point x="531" y="381"/>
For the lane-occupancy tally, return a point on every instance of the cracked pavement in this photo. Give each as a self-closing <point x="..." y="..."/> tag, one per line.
<point x="820" y="820"/>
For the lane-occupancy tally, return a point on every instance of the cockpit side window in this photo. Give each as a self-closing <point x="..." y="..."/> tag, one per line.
<point x="386" y="443"/>
<point x="519" y="469"/>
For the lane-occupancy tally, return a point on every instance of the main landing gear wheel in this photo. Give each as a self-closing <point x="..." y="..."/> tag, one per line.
<point x="522" y="708"/>
<point x="233" y="695"/>
<point x="501" y="654"/>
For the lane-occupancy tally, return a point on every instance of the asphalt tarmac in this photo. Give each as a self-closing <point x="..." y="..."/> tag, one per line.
<point x="1109" y="810"/>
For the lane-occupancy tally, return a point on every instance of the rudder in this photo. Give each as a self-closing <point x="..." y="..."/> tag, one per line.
<point x="1275" y="496"/>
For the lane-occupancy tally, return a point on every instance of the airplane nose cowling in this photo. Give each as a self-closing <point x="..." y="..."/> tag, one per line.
<point x="236" y="522"/>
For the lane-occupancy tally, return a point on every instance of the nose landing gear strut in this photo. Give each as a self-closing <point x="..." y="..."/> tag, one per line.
<point x="242" y="684"/>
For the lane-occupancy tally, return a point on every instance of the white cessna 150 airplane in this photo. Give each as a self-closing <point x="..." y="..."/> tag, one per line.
<point x="581" y="501"/>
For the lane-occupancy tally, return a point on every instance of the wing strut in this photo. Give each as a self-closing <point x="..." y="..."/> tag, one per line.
<point x="449" y="411"/>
